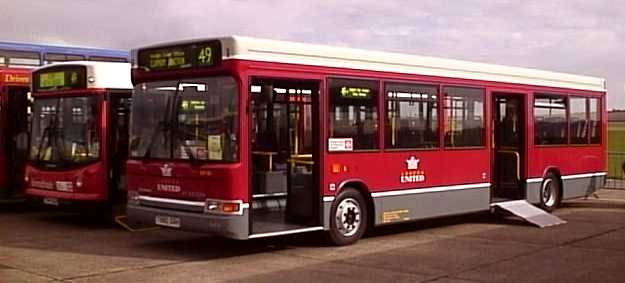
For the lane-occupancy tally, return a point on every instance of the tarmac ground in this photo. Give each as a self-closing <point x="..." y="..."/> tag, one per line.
<point x="47" y="245"/>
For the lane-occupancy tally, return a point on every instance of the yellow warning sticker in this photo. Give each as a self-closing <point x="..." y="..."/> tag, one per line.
<point x="395" y="215"/>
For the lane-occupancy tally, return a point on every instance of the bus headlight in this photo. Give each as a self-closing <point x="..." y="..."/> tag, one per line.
<point x="133" y="197"/>
<point x="223" y="207"/>
<point x="26" y="178"/>
<point x="78" y="183"/>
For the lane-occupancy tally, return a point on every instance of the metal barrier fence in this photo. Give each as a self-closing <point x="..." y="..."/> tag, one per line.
<point x="616" y="176"/>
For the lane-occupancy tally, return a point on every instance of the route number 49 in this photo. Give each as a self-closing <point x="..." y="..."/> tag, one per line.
<point x="205" y="57"/>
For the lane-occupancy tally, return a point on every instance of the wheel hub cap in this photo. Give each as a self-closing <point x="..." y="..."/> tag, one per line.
<point x="348" y="215"/>
<point x="549" y="193"/>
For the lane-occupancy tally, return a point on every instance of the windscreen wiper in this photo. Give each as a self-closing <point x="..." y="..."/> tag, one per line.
<point x="46" y="135"/>
<point x="54" y="142"/>
<point x="167" y="126"/>
<point x="163" y="126"/>
<point x="49" y="133"/>
<point x="176" y="131"/>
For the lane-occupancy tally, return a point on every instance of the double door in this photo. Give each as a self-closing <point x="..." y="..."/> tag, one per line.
<point x="284" y="152"/>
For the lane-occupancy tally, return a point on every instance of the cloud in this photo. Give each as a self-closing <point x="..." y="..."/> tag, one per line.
<point x="575" y="36"/>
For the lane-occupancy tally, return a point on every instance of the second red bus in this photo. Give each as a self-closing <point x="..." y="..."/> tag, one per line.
<point x="79" y="133"/>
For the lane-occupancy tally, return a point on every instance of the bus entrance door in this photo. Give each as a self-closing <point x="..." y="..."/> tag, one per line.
<point x="14" y="134"/>
<point x="284" y="181"/>
<point x="118" y="143"/>
<point x="508" y="145"/>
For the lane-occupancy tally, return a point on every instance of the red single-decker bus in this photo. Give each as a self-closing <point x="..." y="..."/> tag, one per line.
<point x="247" y="138"/>
<point x="79" y="133"/>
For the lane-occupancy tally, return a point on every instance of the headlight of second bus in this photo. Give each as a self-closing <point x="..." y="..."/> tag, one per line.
<point x="224" y="207"/>
<point x="132" y="197"/>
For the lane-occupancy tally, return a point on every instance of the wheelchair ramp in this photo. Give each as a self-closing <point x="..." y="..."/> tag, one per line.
<point x="529" y="212"/>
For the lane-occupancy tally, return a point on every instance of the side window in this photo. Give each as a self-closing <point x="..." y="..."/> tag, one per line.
<point x="550" y="119"/>
<point x="21" y="58"/>
<point x="578" y="114"/>
<point x="411" y="116"/>
<point x="595" y="120"/>
<point x="464" y="117"/>
<point x="57" y="57"/>
<point x="353" y="112"/>
<point x="107" y="59"/>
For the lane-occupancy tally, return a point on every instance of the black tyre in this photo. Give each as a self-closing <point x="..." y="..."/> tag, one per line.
<point x="550" y="192"/>
<point x="348" y="217"/>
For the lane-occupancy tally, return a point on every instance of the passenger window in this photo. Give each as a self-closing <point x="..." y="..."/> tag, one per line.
<point x="578" y="114"/>
<point x="57" y="57"/>
<point x="20" y="58"/>
<point x="353" y="112"/>
<point x="411" y="116"/>
<point x="550" y="127"/>
<point x="595" y="120"/>
<point x="464" y="117"/>
<point x="107" y="59"/>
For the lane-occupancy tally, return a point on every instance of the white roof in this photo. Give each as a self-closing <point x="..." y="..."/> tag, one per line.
<point x="107" y="75"/>
<point x="247" y="48"/>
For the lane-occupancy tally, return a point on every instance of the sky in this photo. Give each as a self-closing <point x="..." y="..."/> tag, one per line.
<point x="585" y="37"/>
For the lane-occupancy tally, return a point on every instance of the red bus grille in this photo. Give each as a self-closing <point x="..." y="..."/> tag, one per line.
<point x="174" y="204"/>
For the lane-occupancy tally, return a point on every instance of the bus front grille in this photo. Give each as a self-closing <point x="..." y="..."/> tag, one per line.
<point x="174" y="204"/>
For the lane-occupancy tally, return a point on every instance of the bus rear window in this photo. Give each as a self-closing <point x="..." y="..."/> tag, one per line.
<point x="595" y="120"/>
<point x="578" y="114"/>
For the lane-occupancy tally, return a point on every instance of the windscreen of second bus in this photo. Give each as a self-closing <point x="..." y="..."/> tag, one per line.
<point x="65" y="131"/>
<point x="188" y="119"/>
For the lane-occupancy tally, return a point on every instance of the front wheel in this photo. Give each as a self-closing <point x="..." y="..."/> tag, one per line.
<point x="348" y="218"/>
<point x="550" y="193"/>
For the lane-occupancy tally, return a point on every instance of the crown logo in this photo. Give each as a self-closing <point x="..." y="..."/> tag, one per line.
<point x="166" y="170"/>
<point x="412" y="163"/>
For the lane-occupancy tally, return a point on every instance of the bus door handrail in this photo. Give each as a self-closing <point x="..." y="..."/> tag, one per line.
<point x="518" y="161"/>
<point x="269" y="155"/>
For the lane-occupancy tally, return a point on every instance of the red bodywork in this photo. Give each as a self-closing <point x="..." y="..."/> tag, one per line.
<point x="379" y="170"/>
<point x="43" y="183"/>
<point x="9" y="77"/>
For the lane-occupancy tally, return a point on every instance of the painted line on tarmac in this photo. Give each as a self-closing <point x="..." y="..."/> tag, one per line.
<point x="119" y="220"/>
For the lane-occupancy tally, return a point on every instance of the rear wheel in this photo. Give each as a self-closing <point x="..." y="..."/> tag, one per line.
<point x="550" y="192"/>
<point x="348" y="218"/>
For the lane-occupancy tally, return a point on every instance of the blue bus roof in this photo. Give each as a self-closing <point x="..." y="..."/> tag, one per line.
<point x="44" y="48"/>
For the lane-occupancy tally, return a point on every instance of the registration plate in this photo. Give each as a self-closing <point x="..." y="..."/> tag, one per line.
<point x="168" y="221"/>
<point x="51" y="201"/>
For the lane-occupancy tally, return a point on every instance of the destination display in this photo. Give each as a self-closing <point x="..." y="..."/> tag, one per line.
<point x="355" y="92"/>
<point x="16" y="78"/>
<point x="62" y="78"/>
<point x="193" y="55"/>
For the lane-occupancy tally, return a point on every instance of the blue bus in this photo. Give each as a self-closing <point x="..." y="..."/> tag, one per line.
<point x="14" y="54"/>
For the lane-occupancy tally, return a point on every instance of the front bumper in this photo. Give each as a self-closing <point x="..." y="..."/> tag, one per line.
<point x="228" y="226"/>
<point x="68" y="196"/>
